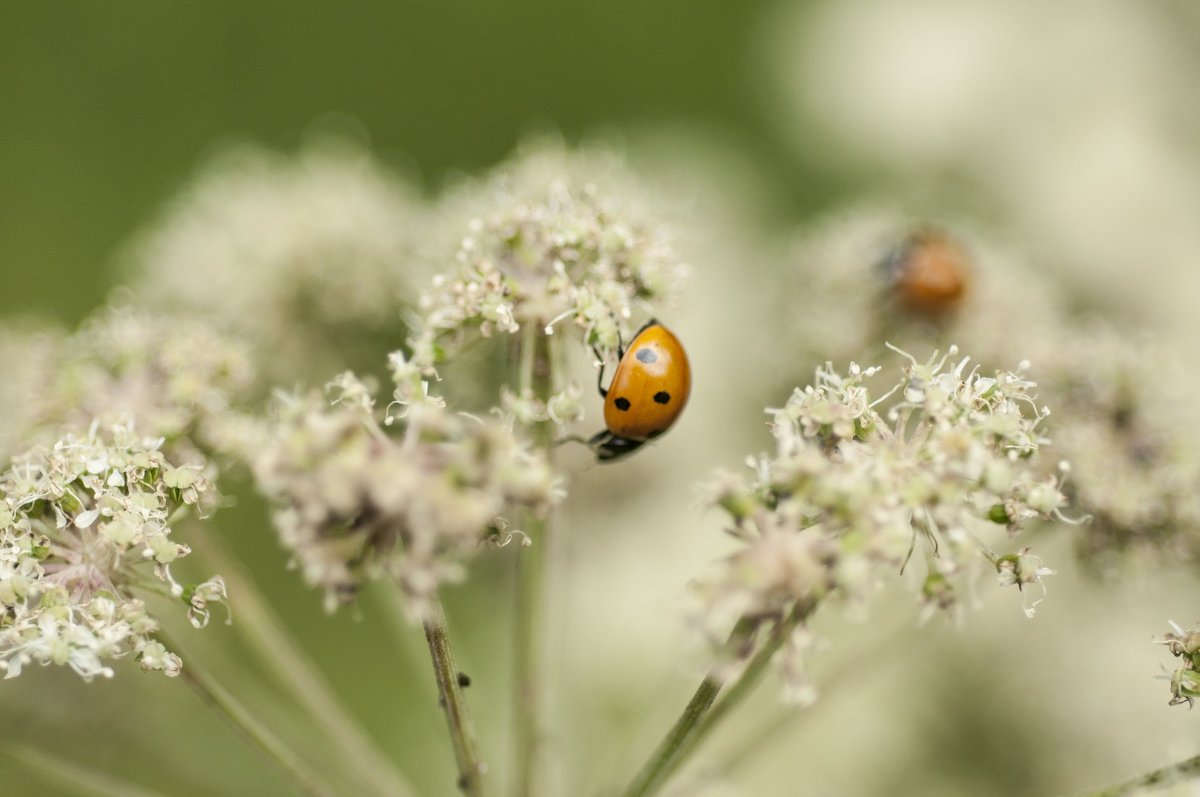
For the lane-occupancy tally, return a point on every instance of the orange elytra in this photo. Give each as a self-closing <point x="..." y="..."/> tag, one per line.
<point x="929" y="271"/>
<point x="647" y="394"/>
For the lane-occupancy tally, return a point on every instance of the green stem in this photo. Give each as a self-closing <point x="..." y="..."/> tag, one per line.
<point x="1158" y="779"/>
<point x="647" y="779"/>
<point x="536" y="375"/>
<point x="704" y="710"/>
<point x="648" y="776"/>
<point x="242" y="721"/>
<point x="78" y="778"/>
<point x="462" y="732"/>
<point x="279" y="652"/>
<point x="760" y="740"/>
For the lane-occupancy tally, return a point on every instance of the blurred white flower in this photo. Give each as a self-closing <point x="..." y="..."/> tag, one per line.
<point x="847" y="289"/>
<point x="85" y="524"/>
<point x="179" y="378"/>
<point x="1077" y="136"/>
<point x="29" y="362"/>
<point x="351" y="502"/>
<point x="286" y="251"/>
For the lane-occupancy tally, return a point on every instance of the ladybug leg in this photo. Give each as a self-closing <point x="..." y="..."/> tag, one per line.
<point x="600" y="378"/>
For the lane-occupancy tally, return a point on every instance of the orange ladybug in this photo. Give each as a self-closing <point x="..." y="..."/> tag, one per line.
<point x="647" y="394"/>
<point x="928" y="271"/>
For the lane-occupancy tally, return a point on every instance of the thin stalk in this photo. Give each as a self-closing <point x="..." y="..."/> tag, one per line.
<point x="242" y="721"/>
<point x="1158" y="779"/>
<point x="279" y="652"/>
<point x="78" y="778"/>
<point x="536" y="375"/>
<point x="647" y="779"/>
<point x="705" y="710"/>
<point x="750" y="677"/>
<point x="462" y="732"/>
<point x="706" y="694"/>
<point x="760" y="739"/>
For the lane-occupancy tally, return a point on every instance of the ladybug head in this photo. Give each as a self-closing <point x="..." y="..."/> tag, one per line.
<point x="610" y="447"/>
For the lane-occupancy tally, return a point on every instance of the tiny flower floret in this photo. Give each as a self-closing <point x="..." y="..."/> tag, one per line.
<point x="1185" y="680"/>
<point x="84" y="525"/>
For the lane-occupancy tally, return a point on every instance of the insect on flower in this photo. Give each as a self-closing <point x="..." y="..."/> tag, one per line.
<point x="647" y="394"/>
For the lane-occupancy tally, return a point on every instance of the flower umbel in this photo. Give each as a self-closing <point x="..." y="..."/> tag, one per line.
<point x="84" y="525"/>
<point x="561" y="254"/>
<point x="352" y="501"/>
<point x="852" y="491"/>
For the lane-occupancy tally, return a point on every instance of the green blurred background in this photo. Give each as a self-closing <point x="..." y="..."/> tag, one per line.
<point x="107" y="110"/>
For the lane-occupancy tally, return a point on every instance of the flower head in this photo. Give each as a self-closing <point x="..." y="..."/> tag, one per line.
<point x="548" y="251"/>
<point x="176" y="376"/>
<point x="858" y="483"/>
<point x="85" y="524"/>
<point x="290" y="249"/>
<point x="352" y="502"/>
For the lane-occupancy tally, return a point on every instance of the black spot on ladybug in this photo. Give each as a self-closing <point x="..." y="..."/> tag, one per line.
<point x="622" y="404"/>
<point x="662" y="397"/>
<point x="646" y="355"/>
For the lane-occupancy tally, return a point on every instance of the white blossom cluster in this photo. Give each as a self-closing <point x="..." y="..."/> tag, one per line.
<point x="1185" y="680"/>
<point x="176" y="375"/>
<point x="85" y="524"/>
<point x="287" y="251"/>
<point x="1136" y="458"/>
<point x="853" y="491"/>
<point x="549" y="252"/>
<point x="352" y="502"/>
<point x="1117" y="388"/>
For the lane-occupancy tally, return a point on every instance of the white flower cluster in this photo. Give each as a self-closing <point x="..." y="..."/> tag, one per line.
<point x="1136" y="457"/>
<point x="352" y="502"/>
<point x="84" y="525"/>
<point x="1117" y="389"/>
<point x="172" y="373"/>
<point x="852" y="491"/>
<point x="547" y="254"/>
<point x="285" y="250"/>
<point x="175" y="375"/>
<point x="1185" y="680"/>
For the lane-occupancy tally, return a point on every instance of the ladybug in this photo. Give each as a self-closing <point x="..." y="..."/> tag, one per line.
<point x="647" y="394"/>
<point x="928" y="271"/>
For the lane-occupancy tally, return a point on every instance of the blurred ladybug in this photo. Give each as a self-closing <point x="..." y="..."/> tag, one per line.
<point x="647" y="394"/>
<point x="928" y="272"/>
